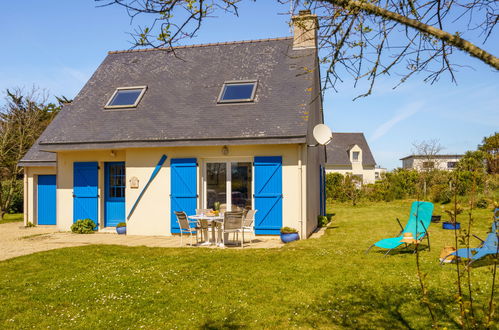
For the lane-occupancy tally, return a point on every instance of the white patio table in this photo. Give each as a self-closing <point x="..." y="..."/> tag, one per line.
<point x="210" y="219"/>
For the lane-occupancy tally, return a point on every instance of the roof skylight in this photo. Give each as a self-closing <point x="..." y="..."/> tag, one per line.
<point x="237" y="91"/>
<point x="126" y="97"/>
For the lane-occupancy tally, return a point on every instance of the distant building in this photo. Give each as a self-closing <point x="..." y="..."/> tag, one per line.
<point x="422" y="162"/>
<point x="349" y="153"/>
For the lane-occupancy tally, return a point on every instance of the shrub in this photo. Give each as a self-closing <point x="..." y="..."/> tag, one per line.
<point x="322" y="220"/>
<point x="16" y="203"/>
<point x="402" y="184"/>
<point x="482" y="203"/>
<point x="334" y="183"/>
<point x="441" y="193"/>
<point x="30" y="224"/>
<point x="85" y="226"/>
<point x="288" y="230"/>
<point x="121" y="224"/>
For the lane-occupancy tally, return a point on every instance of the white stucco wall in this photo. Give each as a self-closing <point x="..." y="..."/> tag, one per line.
<point x="440" y="163"/>
<point x="30" y="190"/>
<point x="355" y="167"/>
<point x="152" y="215"/>
<point x="65" y="162"/>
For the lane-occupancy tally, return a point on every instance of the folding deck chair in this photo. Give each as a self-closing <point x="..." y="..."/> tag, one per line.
<point x="489" y="246"/>
<point x="417" y="226"/>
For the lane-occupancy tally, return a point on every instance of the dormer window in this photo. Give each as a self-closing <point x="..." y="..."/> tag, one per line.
<point x="126" y="97"/>
<point x="355" y="156"/>
<point x="237" y="91"/>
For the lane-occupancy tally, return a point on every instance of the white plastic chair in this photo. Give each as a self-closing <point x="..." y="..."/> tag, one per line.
<point x="185" y="227"/>
<point x="249" y="224"/>
<point x="233" y="223"/>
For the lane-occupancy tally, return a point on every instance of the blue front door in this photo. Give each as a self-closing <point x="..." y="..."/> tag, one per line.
<point x="322" y="187"/>
<point x="268" y="195"/>
<point x="85" y="191"/>
<point x="114" y="208"/>
<point x="46" y="199"/>
<point x="183" y="189"/>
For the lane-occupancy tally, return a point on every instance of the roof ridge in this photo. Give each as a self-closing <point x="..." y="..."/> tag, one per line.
<point x="198" y="45"/>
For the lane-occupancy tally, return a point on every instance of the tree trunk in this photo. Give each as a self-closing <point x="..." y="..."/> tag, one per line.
<point x="2" y="213"/>
<point x="450" y="39"/>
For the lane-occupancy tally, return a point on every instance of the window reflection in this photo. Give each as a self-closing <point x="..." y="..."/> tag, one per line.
<point x="216" y="184"/>
<point x="241" y="185"/>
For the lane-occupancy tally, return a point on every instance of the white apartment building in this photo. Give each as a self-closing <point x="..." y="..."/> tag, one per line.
<point x="423" y="162"/>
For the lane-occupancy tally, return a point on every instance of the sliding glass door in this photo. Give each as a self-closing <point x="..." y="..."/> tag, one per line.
<point x="230" y="184"/>
<point x="216" y="184"/>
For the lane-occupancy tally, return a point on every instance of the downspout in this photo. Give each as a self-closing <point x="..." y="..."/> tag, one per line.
<point x="300" y="175"/>
<point x="25" y="197"/>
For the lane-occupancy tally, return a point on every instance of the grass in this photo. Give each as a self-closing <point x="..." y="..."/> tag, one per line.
<point x="325" y="283"/>
<point x="12" y="218"/>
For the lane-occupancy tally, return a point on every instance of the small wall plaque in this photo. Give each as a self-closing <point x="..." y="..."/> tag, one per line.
<point x="134" y="182"/>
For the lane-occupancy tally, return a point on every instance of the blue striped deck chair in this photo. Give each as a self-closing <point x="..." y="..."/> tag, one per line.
<point x="419" y="221"/>
<point x="489" y="246"/>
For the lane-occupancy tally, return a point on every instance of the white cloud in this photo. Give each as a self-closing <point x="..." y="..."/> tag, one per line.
<point x="78" y="75"/>
<point x="406" y="112"/>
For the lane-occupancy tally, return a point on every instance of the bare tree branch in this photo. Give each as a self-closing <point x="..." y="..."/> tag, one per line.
<point x="361" y="39"/>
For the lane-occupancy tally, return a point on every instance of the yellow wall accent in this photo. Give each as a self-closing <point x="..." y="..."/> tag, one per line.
<point x="152" y="215"/>
<point x="30" y="190"/>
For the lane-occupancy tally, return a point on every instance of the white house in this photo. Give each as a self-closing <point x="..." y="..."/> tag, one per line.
<point x="349" y="154"/>
<point x="227" y="122"/>
<point x="423" y="162"/>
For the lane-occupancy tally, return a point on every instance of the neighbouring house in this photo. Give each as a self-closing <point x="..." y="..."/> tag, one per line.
<point x="423" y="162"/>
<point x="349" y="154"/>
<point x="233" y="119"/>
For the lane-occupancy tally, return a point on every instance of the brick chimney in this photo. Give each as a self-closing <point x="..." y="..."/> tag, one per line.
<point x="305" y="27"/>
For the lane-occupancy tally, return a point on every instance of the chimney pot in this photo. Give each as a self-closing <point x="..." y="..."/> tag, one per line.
<point x="305" y="26"/>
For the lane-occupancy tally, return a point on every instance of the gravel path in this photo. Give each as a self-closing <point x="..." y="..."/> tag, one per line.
<point x="16" y="240"/>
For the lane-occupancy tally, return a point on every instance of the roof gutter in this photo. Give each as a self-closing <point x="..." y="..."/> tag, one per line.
<point x="72" y="146"/>
<point x="37" y="163"/>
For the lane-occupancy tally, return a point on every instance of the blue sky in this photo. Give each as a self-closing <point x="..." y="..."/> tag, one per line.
<point x="57" y="45"/>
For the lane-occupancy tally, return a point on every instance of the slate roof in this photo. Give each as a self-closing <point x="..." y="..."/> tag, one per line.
<point x="180" y="104"/>
<point x="338" y="150"/>
<point x="36" y="157"/>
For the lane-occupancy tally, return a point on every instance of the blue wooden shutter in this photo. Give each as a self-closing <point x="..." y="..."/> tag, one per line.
<point x="85" y="192"/>
<point x="322" y="178"/>
<point x="46" y="200"/>
<point x="268" y="195"/>
<point x="183" y="189"/>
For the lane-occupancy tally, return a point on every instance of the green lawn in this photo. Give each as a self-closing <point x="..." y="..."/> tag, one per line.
<point x="325" y="283"/>
<point x="12" y="218"/>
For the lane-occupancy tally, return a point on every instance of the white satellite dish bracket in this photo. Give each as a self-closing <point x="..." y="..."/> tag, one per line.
<point x="322" y="134"/>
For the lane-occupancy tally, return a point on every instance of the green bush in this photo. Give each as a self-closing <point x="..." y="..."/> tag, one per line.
<point x="482" y="203"/>
<point x="85" y="226"/>
<point x="16" y="204"/>
<point x="121" y="224"/>
<point x="334" y="186"/>
<point x="441" y="193"/>
<point x="322" y="220"/>
<point x="288" y="230"/>
<point x="402" y="184"/>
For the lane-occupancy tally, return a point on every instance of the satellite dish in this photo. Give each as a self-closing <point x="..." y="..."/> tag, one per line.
<point x="322" y="134"/>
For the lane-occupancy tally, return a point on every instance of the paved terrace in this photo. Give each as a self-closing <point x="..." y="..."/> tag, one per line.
<point x="16" y="240"/>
